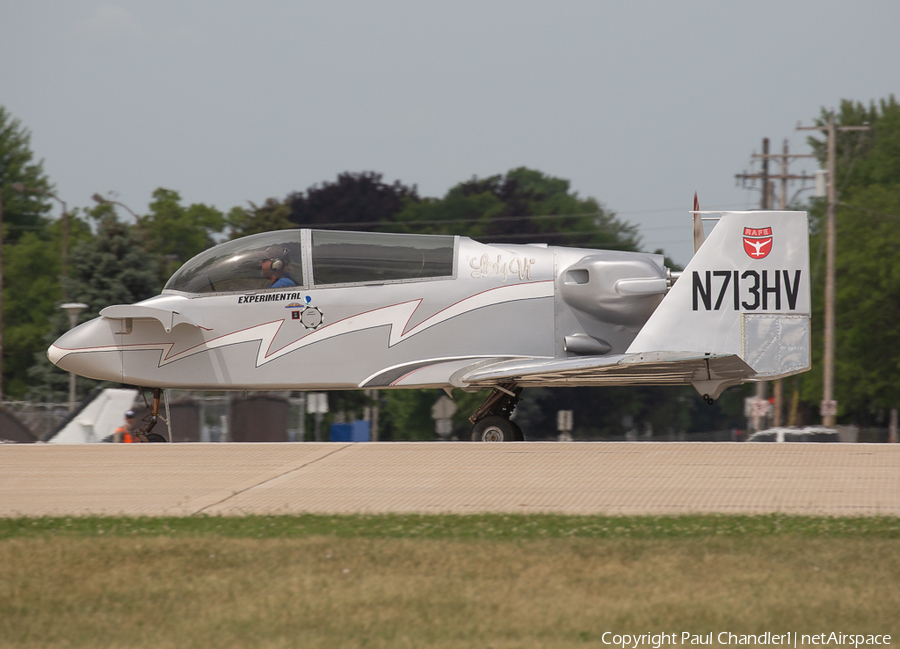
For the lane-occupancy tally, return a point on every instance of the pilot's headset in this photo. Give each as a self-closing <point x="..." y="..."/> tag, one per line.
<point x="279" y="256"/>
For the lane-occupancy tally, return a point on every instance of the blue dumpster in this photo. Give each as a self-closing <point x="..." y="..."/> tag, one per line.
<point x="358" y="431"/>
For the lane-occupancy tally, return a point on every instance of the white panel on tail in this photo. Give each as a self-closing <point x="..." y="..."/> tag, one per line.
<point x="745" y="292"/>
<point x="776" y="345"/>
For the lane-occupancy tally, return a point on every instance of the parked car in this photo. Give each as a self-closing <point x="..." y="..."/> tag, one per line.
<point x="794" y="434"/>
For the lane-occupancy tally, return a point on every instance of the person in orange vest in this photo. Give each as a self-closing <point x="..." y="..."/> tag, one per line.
<point x="123" y="434"/>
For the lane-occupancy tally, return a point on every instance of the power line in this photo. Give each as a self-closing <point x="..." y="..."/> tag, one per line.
<point x="533" y="236"/>
<point x="497" y="219"/>
<point x="506" y="219"/>
<point x="865" y="209"/>
<point x="681" y="208"/>
<point x="784" y="159"/>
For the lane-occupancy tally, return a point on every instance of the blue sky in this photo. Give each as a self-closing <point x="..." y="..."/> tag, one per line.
<point x="638" y="104"/>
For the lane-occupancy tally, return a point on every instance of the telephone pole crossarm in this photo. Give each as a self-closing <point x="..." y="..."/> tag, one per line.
<point x="802" y="176"/>
<point x="781" y="156"/>
<point x="824" y="129"/>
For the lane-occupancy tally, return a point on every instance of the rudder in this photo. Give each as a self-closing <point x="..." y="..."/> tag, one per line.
<point x="746" y="292"/>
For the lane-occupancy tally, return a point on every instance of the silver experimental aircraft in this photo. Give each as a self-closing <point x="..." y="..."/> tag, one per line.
<point x="332" y="310"/>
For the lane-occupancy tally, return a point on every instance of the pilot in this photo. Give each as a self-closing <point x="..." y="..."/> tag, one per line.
<point x="276" y="267"/>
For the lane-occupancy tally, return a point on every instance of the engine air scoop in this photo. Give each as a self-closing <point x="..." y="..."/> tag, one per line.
<point x="167" y="318"/>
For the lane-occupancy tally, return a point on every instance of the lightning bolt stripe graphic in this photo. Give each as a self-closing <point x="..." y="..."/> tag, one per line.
<point x="397" y="316"/>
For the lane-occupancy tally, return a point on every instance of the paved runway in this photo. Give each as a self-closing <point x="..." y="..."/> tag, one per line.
<point x="568" y="478"/>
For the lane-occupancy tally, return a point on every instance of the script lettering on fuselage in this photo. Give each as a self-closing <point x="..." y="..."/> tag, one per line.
<point x="484" y="266"/>
<point x="748" y="290"/>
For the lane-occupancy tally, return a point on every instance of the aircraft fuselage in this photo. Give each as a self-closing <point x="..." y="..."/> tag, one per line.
<point x="330" y="332"/>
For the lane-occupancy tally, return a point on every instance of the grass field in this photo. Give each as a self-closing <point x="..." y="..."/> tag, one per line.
<point x="440" y="581"/>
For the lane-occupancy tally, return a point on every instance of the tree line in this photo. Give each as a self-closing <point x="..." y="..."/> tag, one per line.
<point x="111" y="261"/>
<point x="867" y="264"/>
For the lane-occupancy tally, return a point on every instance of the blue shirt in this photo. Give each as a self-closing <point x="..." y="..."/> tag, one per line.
<point x="283" y="281"/>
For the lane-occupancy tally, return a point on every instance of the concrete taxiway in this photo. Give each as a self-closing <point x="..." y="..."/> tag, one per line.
<point x="528" y="477"/>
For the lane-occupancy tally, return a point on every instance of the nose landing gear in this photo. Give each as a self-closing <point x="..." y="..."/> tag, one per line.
<point x="143" y="433"/>
<point x="491" y="421"/>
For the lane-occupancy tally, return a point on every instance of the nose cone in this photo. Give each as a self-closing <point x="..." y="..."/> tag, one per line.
<point x="90" y="350"/>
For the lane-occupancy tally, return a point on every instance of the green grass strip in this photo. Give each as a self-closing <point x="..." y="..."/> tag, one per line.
<point x="448" y="526"/>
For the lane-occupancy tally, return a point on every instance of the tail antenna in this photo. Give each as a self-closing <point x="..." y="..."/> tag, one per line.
<point x="699" y="237"/>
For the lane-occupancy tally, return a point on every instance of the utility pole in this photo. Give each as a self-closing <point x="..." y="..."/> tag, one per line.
<point x="784" y="159"/>
<point x="1" y="296"/>
<point x="763" y="205"/>
<point x="764" y="175"/>
<point x="828" y="407"/>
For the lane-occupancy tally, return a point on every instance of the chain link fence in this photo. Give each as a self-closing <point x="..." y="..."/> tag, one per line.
<point x="209" y="415"/>
<point x="39" y="418"/>
<point x="212" y="419"/>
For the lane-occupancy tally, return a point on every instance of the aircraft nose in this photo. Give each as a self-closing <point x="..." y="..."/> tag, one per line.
<point x="89" y="350"/>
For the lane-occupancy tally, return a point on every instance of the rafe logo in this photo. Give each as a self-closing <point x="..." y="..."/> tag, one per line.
<point x="757" y="242"/>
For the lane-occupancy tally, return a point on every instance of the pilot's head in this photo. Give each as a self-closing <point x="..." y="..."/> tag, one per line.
<point x="274" y="262"/>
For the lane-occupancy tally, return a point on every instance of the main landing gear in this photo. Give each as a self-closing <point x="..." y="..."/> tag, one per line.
<point x="491" y="420"/>
<point x="143" y="433"/>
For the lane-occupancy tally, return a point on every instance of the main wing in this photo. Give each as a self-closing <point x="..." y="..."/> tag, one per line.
<point x="707" y="372"/>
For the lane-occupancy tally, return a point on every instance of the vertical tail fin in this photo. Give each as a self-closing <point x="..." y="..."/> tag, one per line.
<point x="744" y="293"/>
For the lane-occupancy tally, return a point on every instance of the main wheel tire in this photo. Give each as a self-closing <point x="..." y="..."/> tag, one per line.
<point x="518" y="435"/>
<point x="155" y="437"/>
<point x="494" y="429"/>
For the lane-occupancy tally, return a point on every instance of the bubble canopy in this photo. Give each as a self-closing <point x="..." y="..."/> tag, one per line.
<point x="238" y="265"/>
<point x="338" y="258"/>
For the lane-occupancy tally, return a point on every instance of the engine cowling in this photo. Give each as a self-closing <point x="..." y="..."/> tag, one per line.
<point x="618" y="290"/>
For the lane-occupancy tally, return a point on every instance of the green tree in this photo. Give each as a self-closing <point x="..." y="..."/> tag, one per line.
<point x="521" y="206"/>
<point x="31" y="273"/>
<point x="32" y="270"/>
<point x="272" y="215"/>
<point x="406" y="415"/>
<point x="22" y="211"/>
<point x="867" y="309"/>
<point x="863" y="158"/>
<point x="110" y="268"/>
<point x="175" y="232"/>
<point x="354" y="198"/>
<point x="113" y="267"/>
